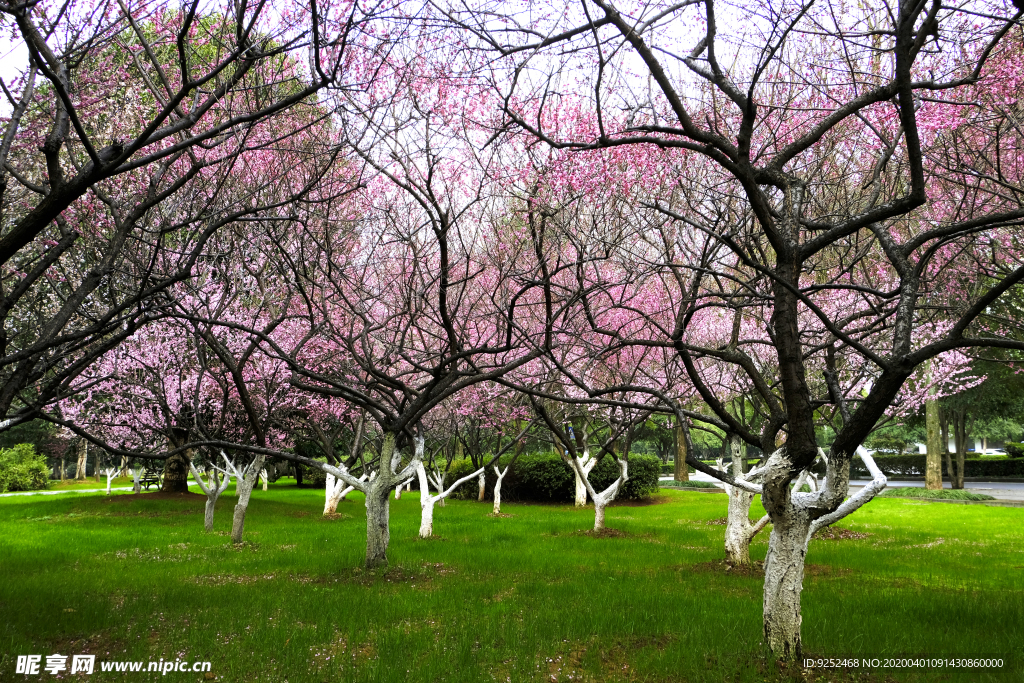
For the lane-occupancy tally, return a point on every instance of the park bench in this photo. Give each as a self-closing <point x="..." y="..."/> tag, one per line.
<point x="150" y="477"/>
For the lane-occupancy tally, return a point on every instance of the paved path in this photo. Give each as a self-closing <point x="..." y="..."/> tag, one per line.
<point x="1000" y="490"/>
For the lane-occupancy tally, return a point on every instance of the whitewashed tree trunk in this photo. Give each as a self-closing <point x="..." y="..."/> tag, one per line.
<point x="110" y="472"/>
<point x="739" y="531"/>
<point x="795" y="518"/>
<point x="245" y="480"/>
<point x="497" y="488"/>
<point x="426" y="504"/>
<point x="438" y="478"/>
<point x="212" y="487"/>
<point x="600" y="498"/>
<point x="581" y="470"/>
<point x="136" y="479"/>
<point x="427" y="501"/>
<point x="481" y="481"/>
<point x="335" y="492"/>
<point x="263" y="478"/>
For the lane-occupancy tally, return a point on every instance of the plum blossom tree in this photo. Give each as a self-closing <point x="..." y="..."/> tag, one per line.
<point x="803" y="145"/>
<point x="133" y="135"/>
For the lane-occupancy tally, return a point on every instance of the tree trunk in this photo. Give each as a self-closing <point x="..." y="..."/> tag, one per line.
<point x="426" y="503"/>
<point x="682" y="471"/>
<point x="482" y="483"/>
<point x="176" y="468"/>
<point x="377" y="531"/>
<point x="136" y="477"/>
<point x="110" y="474"/>
<point x="332" y="494"/>
<point x="244" y="486"/>
<point x="378" y="510"/>
<point x="956" y="475"/>
<point x="783" y="582"/>
<point x="933" y="460"/>
<point x="738" y="529"/>
<point x="497" y="490"/>
<point x="83" y="456"/>
<point x="208" y="516"/>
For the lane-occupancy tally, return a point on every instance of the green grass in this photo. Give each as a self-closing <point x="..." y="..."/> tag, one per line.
<point x="691" y="484"/>
<point x="89" y="483"/>
<point x="936" y="494"/>
<point x="519" y="598"/>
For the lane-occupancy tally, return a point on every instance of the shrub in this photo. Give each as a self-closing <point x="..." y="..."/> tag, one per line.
<point x="944" y="494"/>
<point x="1015" y="450"/>
<point x="692" y="484"/>
<point x="458" y="470"/>
<point x="22" y="469"/>
<point x="545" y="477"/>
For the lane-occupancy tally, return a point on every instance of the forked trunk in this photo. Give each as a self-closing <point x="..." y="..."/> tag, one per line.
<point x="332" y="494"/>
<point x="737" y="527"/>
<point x="739" y="532"/>
<point x="497" y="489"/>
<point x="783" y="582"/>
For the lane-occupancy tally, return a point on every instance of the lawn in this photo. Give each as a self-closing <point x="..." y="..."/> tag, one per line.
<point x="523" y="597"/>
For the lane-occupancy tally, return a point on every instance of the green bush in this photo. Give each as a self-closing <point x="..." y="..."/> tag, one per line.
<point x="1015" y="450"/>
<point x="943" y="494"/>
<point x="692" y="484"/>
<point x="545" y="477"/>
<point x="458" y="470"/>
<point x="22" y="469"/>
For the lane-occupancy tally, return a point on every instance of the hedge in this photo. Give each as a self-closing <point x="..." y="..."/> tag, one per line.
<point x="914" y="465"/>
<point x="22" y="469"/>
<point x="545" y="477"/>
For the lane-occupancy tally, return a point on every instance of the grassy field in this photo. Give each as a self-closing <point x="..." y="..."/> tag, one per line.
<point x="523" y="597"/>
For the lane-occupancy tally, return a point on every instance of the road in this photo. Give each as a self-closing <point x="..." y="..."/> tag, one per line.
<point x="1000" y="490"/>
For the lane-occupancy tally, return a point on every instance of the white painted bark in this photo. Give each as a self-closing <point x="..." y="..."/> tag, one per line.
<point x="739" y="531"/>
<point x="212" y="487"/>
<point x="481" y="481"/>
<point x="335" y="492"/>
<point x="600" y="498"/>
<point x="245" y="480"/>
<point x="497" y="488"/>
<point x="110" y="472"/>
<point x="136" y="478"/>
<point x="437" y="478"/>
<point x="427" y="501"/>
<point x="582" y="471"/>
<point x="263" y="478"/>
<point x="795" y="518"/>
